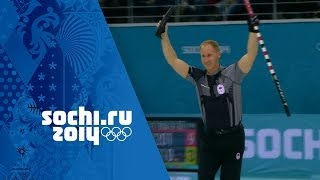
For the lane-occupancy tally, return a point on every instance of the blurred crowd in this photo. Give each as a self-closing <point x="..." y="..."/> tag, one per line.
<point x="140" y="11"/>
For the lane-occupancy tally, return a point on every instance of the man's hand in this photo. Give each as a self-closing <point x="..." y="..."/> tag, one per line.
<point x="253" y="21"/>
<point x="162" y="30"/>
<point x="162" y="24"/>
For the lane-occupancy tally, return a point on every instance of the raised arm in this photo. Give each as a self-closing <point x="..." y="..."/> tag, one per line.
<point x="177" y="64"/>
<point x="246" y="62"/>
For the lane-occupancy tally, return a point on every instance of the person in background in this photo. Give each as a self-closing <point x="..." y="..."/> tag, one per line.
<point x="219" y="95"/>
<point x="236" y="10"/>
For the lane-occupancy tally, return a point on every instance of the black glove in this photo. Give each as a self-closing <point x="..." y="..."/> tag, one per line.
<point x="162" y="26"/>
<point x="161" y="29"/>
<point x="253" y="21"/>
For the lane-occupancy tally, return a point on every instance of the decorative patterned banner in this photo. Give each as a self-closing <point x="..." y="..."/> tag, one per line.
<point x="58" y="56"/>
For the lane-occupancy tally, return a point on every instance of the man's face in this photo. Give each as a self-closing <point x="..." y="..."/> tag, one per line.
<point x="209" y="57"/>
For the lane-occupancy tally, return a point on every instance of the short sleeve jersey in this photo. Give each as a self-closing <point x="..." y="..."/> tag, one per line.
<point x="219" y="95"/>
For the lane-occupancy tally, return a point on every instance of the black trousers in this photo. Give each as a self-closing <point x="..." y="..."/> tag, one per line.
<point x="223" y="151"/>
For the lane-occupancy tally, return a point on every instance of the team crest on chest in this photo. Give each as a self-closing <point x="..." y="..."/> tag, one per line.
<point x="221" y="89"/>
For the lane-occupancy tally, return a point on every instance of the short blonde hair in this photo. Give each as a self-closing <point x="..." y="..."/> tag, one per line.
<point x="213" y="43"/>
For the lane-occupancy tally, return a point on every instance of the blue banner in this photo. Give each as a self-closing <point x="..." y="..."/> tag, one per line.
<point x="294" y="49"/>
<point x="68" y="109"/>
<point x="278" y="146"/>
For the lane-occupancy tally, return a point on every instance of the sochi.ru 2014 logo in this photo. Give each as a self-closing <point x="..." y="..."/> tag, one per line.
<point x="83" y="125"/>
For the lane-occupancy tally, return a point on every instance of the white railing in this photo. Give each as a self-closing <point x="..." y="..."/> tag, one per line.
<point x="129" y="11"/>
